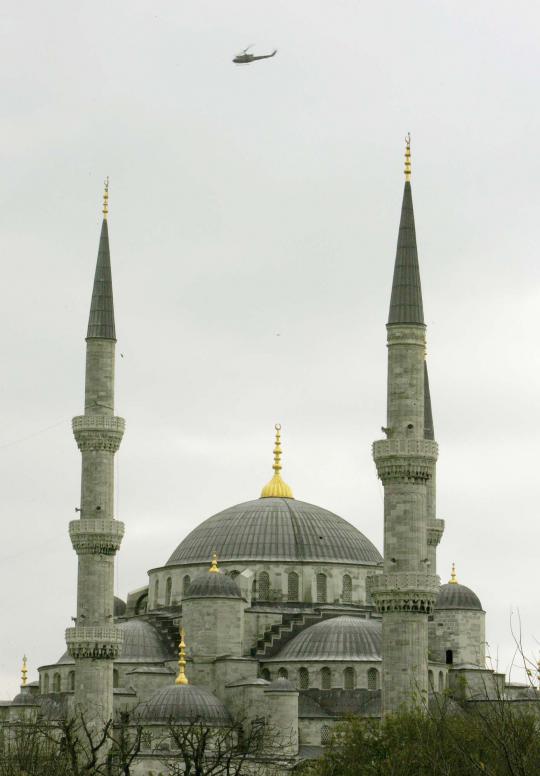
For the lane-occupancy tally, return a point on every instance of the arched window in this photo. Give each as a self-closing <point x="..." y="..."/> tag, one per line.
<point x="265" y="673"/>
<point x="168" y="591"/>
<point x="430" y="679"/>
<point x="441" y="681"/>
<point x="293" y="592"/>
<point x="264" y="586"/>
<point x="325" y="735"/>
<point x="321" y="588"/>
<point x="346" y="593"/>
<point x="71" y="681"/>
<point x="142" y="604"/>
<point x="373" y="679"/>
<point x="349" y="678"/>
<point x="303" y="678"/>
<point x="56" y="683"/>
<point x="234" y="574"/>
<point x="115" y="678"/>
<point x="449" y="657"/>
<point x="186" y="582"/>
<point x="283" y="673"/>
<point x="156" y="592"/>
<point x="326" y="678"/>
<point x="254" y="589"/>
<point x="45" y="683"/>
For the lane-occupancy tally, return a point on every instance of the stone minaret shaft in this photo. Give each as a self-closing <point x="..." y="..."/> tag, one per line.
<point x="96" y="536"/>
<point x="405" y="592"/>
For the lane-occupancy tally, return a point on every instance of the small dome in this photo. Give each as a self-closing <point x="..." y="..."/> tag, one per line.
<point x="276" y="529"/>
<point x="213" y="585"/>
<point x="183" y="704"/>
<point x="340" y="638"/>
<point x="456" y="596"/>
<point x="142" y="644"/>
<point x="119" y="607"/>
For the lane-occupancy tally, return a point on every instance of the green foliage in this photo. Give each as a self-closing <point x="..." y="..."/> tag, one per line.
<point x="498" y="739"/>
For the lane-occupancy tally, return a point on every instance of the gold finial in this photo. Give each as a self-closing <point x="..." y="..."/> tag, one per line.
<point x="408" y="157"/>
<point x="182" y="678"/>
<point x="453" y="578"/>
<point x="106" y="199"/>
<point x="276" y="488"/>
<point x="214" y="567"/>
<point x="24" y="671"/>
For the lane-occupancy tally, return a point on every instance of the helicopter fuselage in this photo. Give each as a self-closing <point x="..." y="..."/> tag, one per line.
<point x="244" y="59"/>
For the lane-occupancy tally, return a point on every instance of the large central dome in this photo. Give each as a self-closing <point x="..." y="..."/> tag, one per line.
<point x="274" y="529"/>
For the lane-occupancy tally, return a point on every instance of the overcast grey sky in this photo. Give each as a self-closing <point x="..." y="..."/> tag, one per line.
<point x="248" y="202"/>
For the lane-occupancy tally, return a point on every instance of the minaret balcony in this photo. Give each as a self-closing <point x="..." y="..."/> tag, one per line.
<point x="98" y="432"/>
<point x="404" y="460"/>
<point x="96" y="536"/>
<point x="435" y="530"/>
<point x="404" y="591"/>
<point x="95" y="642"/>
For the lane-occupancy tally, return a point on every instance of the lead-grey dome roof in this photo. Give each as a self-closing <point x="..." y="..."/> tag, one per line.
<point x="183" y="704"/>
<point x="213" y="585"/>
<point x="142" y="644"/>
<point x="276" y="529"/>
<point x="456" y="596"/>
<point x="339" y="638"/>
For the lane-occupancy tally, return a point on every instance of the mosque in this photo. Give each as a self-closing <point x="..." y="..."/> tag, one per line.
<point x="290" y="616"/>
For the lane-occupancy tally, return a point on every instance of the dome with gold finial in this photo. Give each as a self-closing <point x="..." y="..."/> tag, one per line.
<point x="213" y="584"/>
<point x="182" y="703"/>
<point x="453" y="595"/>
<point x="276" y="527"/>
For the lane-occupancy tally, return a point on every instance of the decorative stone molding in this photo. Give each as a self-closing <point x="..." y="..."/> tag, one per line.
<point x="405" y="460"/>
<point x="98" y="432"/>
<point x="94" y="642"/>
<point x="435" y="530"/>
<point x="404" y="334"/>
<point x="404" y="592"/>
<point x="96" y="536"/>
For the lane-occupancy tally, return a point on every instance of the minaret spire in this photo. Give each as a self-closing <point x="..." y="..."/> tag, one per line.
<point x="95" y="641"/>
<point x="101" y="320"/>
<point x="406" y="590"/>
<point x="406" y="300"/>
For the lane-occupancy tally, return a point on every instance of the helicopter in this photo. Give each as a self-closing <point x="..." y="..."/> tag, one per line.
<point x="244" y="58"/>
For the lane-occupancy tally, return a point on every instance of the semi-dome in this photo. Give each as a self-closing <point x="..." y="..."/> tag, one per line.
<point x="183" y="704"/>
<point x="119" y="607"/>
<point x="142" y="644"/>
<point x="213" y="585"/>
<point x="339" y="638"/>
<point x="276" y="529"/>
<point x="456" y="596"/>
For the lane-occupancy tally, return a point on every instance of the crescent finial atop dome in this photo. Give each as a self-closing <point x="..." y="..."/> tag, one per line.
<point x="453" y="577"/>
<point x="276" y="488"/>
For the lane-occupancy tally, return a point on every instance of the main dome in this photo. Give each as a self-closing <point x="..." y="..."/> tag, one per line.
<point x="276" y="529"/>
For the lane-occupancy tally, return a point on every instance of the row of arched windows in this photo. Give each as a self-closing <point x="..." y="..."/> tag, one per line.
<point x="348" y="678"/>
<point x="56" y="684"/>
<point x="261" y="587"/>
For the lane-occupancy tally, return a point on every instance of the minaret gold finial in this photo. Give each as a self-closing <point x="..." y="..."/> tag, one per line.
<point x="408" y="157"/>
<point x="214" y="567"/>
<point x="24" y="671"/>
<point x="453" y="578"/>
<point x="276" y="488"/>
<point x="106" y="199"/>
<point x="182" y="678"/>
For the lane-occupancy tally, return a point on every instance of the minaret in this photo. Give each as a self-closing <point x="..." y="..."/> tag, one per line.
<point x="95" y="641"/>
<point x="405" y="592"/>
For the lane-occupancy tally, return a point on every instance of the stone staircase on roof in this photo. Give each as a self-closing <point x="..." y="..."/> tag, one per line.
<point x="275" y="638"/>
<point x="165" y="621"/>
